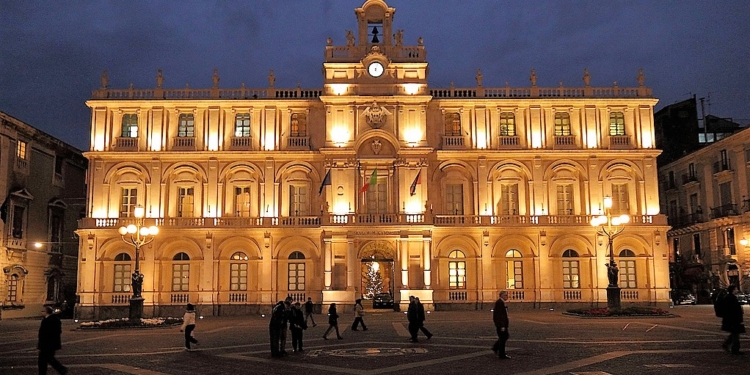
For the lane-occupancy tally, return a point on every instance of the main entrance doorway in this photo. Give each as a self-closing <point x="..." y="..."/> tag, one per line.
<point x="377" y="275"/>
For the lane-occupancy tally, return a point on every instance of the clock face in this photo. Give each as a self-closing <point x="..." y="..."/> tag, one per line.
<point x="375" y="69"/>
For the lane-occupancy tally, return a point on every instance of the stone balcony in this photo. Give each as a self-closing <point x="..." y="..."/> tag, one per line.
<point x="359" y="220"/>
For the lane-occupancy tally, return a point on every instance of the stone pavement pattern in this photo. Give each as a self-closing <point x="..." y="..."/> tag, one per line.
<point x="541" y="342"/>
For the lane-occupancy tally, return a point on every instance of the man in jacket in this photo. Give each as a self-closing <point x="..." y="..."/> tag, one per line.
<point x="49" y="341"/>
<point x="731" y="321"/>
<point x="500" y="318"/>
<point x="412" y="315"/>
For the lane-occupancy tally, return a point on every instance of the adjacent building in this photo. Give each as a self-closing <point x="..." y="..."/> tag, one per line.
<point x="42" y="187"/>
<point x="707" y="199"/>
<point x="374" y="182"/>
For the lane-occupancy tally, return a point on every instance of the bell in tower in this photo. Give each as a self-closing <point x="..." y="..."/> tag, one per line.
<point x="375" y="23"/>
<point x="374" y="34"/>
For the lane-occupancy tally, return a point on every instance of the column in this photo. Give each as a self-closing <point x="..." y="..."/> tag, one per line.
<point x="404" y="254"/>
<point x="351" y="267"/>
<point x="327" y="262"/>
<point x="426" y="262"/>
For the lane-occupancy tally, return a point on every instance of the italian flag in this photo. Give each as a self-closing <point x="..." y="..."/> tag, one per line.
<point x="373" y="181"/>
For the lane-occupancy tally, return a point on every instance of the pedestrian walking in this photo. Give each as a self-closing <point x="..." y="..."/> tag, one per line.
<point x="500" y="318"/>
<point x="309" y="307"/>
<point x="422" y="318"/>
<point x="412" y="315"/>
<point x="333" y="322"/>
<point x="188" y="326"/>
<point x="359" y="313"/>
<point x="297" y="324"/>
<point x="731" y="321"/>
<point x="50" y="331"/>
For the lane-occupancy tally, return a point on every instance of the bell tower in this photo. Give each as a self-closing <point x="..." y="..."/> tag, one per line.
<point x="375" y="23"/>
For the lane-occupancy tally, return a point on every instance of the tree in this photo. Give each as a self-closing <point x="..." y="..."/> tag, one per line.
<point x="373" y="280"/>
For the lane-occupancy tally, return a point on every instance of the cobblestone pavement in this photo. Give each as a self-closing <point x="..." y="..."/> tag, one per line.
<point x="541" y="342"/>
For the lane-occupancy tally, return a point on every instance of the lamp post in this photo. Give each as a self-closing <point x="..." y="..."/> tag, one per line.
<point x="610" y="226"/>
<point x="137" y="235"/>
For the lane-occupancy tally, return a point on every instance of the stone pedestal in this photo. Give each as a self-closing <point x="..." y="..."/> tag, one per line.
<point x="136" y="308"/>
<point x="613" y="297"/>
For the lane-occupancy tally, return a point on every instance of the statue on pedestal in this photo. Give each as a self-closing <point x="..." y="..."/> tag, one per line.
<point x="612" y="272"/>
<point x="137" y="284"/>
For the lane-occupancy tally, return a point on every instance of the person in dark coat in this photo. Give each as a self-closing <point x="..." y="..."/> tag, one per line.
<point x="412" y="315"/>
<point x="500" y="318"/>
<point x="732" y="321"/>
<point x="333" y="322"/>
<point x="274" y="328"/>
<point x="309" y="307"/>
<point x="422" y="318"/>
<point x="297" y="324"/>
<point x="288" y="316"/>
<point x="49" y="341"/>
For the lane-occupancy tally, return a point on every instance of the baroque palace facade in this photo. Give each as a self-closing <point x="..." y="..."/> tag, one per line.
<point x="373" y="183"/>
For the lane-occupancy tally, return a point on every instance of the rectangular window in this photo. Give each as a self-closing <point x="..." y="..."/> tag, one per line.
<point x="128" y="201"/>
<point x="696" y="244"/>
<point x="122" y="278"/>
<point x="676" y="246"/>
<point x="724" y="160"/>
<point x="620" y="202"/>
<point x="298" y="201"/>
<point x="627" y="274"/>
<point x="19" y="213"/>
<point x="730" y="241"/>
<point x="238" y="276"/>
<point x="298" y="125"/>
<point x="186" y="204"/>
<point x="180" y="277"/>
<point x="56" y="230"/>
<point x="242" y="201"/>
<point x="507" y="124"/>
<point x="616" y="123"/>
<point x="296" y="272"/>
<point x="59" y="163"/>
<point x="242" y="125"/>
<point x="670" y="180"/>
<point x="457" y="274"/>
<point x="129" y="126"/>
<point x="186" y="126"/>
<point x="571" y="274"/>
<point x="509" y="199"/>
<point x="562" y="124"/>
<point x="21" y="150"/>
<point x="694" y="203"/>
<point x="691" y="171"/>
<point x="725" y="193"/>
<point x="454" y="199"/>
<point x="377" y="197"/>
<point x="13" y="288"/>
<point x="565" y="199"/>
<point x="514" y="272"/>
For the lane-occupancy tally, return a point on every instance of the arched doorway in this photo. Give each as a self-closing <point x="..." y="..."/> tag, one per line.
<point x="377" y="274"/>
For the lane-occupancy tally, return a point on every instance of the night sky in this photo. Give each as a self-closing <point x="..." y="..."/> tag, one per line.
<point x="52" y="53"/>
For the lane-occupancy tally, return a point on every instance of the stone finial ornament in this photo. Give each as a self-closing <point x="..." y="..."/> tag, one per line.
<point x="532" y="78"/>
<point x="641" y="78"/>
<point x="159" y="79"/>
<point x="586" y="77"/>
<point x="105" y="80"/>
<point x="271" y="78"/>
<point x="215" y="78"/>
<point x="479" y="77"/>
<point x="349" y="38"/>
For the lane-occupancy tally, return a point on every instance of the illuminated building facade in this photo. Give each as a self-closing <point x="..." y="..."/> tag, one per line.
<point x="450" y="194"/>
<point x="42" y="195"/>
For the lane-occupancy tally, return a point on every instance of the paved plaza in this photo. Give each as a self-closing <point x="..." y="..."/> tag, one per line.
<point x="541" y="342"/>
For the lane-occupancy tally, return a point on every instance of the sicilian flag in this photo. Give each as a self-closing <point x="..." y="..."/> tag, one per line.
<point x="373" y="181"/>
<point x="326" y="181"/>
<point x="417" y="181"/>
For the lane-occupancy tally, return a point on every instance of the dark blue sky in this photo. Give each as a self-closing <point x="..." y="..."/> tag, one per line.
<point x="52" y="52"/>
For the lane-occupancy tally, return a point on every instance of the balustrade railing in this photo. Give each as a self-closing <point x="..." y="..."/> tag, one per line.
<point x="619" y="141"/>
<point x="458" y="296"/>
<point x="298" y="142"/>
<point x="242" y="143"/>
<point x="565" y="141"/>
<point x="177" y="298"/>
<point x="516" y="295"/>
<point x="453" y="141"/>
<point x="572" y="295"/>
<point x="184" y="142"/>
<point x="628" y="294"/>
<point x="120" y="299"/>
<point x="509" y="141"/>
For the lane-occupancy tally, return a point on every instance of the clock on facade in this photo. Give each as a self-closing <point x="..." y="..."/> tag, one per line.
<point x="375" y="69"/>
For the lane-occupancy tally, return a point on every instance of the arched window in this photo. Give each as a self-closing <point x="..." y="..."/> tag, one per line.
<point x="457" y="270"/>
<point x="238" y="271"/>
<point x="571" y="270"/>
<point x="562" y="124"/>
<point x="507" y="124"/>
<point x="122" y="273"/>
<point x="180" y="272"/>
<point x="186" y="126"/>
<point x="296" y="271"/>
<point x="129" y="126"/>
<point x="513" y="270"/>
<point x="453" y="124"/>
<point x="616" y="123"/>
<point x="627" y="269"/>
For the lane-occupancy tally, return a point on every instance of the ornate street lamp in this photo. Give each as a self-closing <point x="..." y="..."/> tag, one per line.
<point x="137" y="235"/>
<point x="611" y="227"/>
